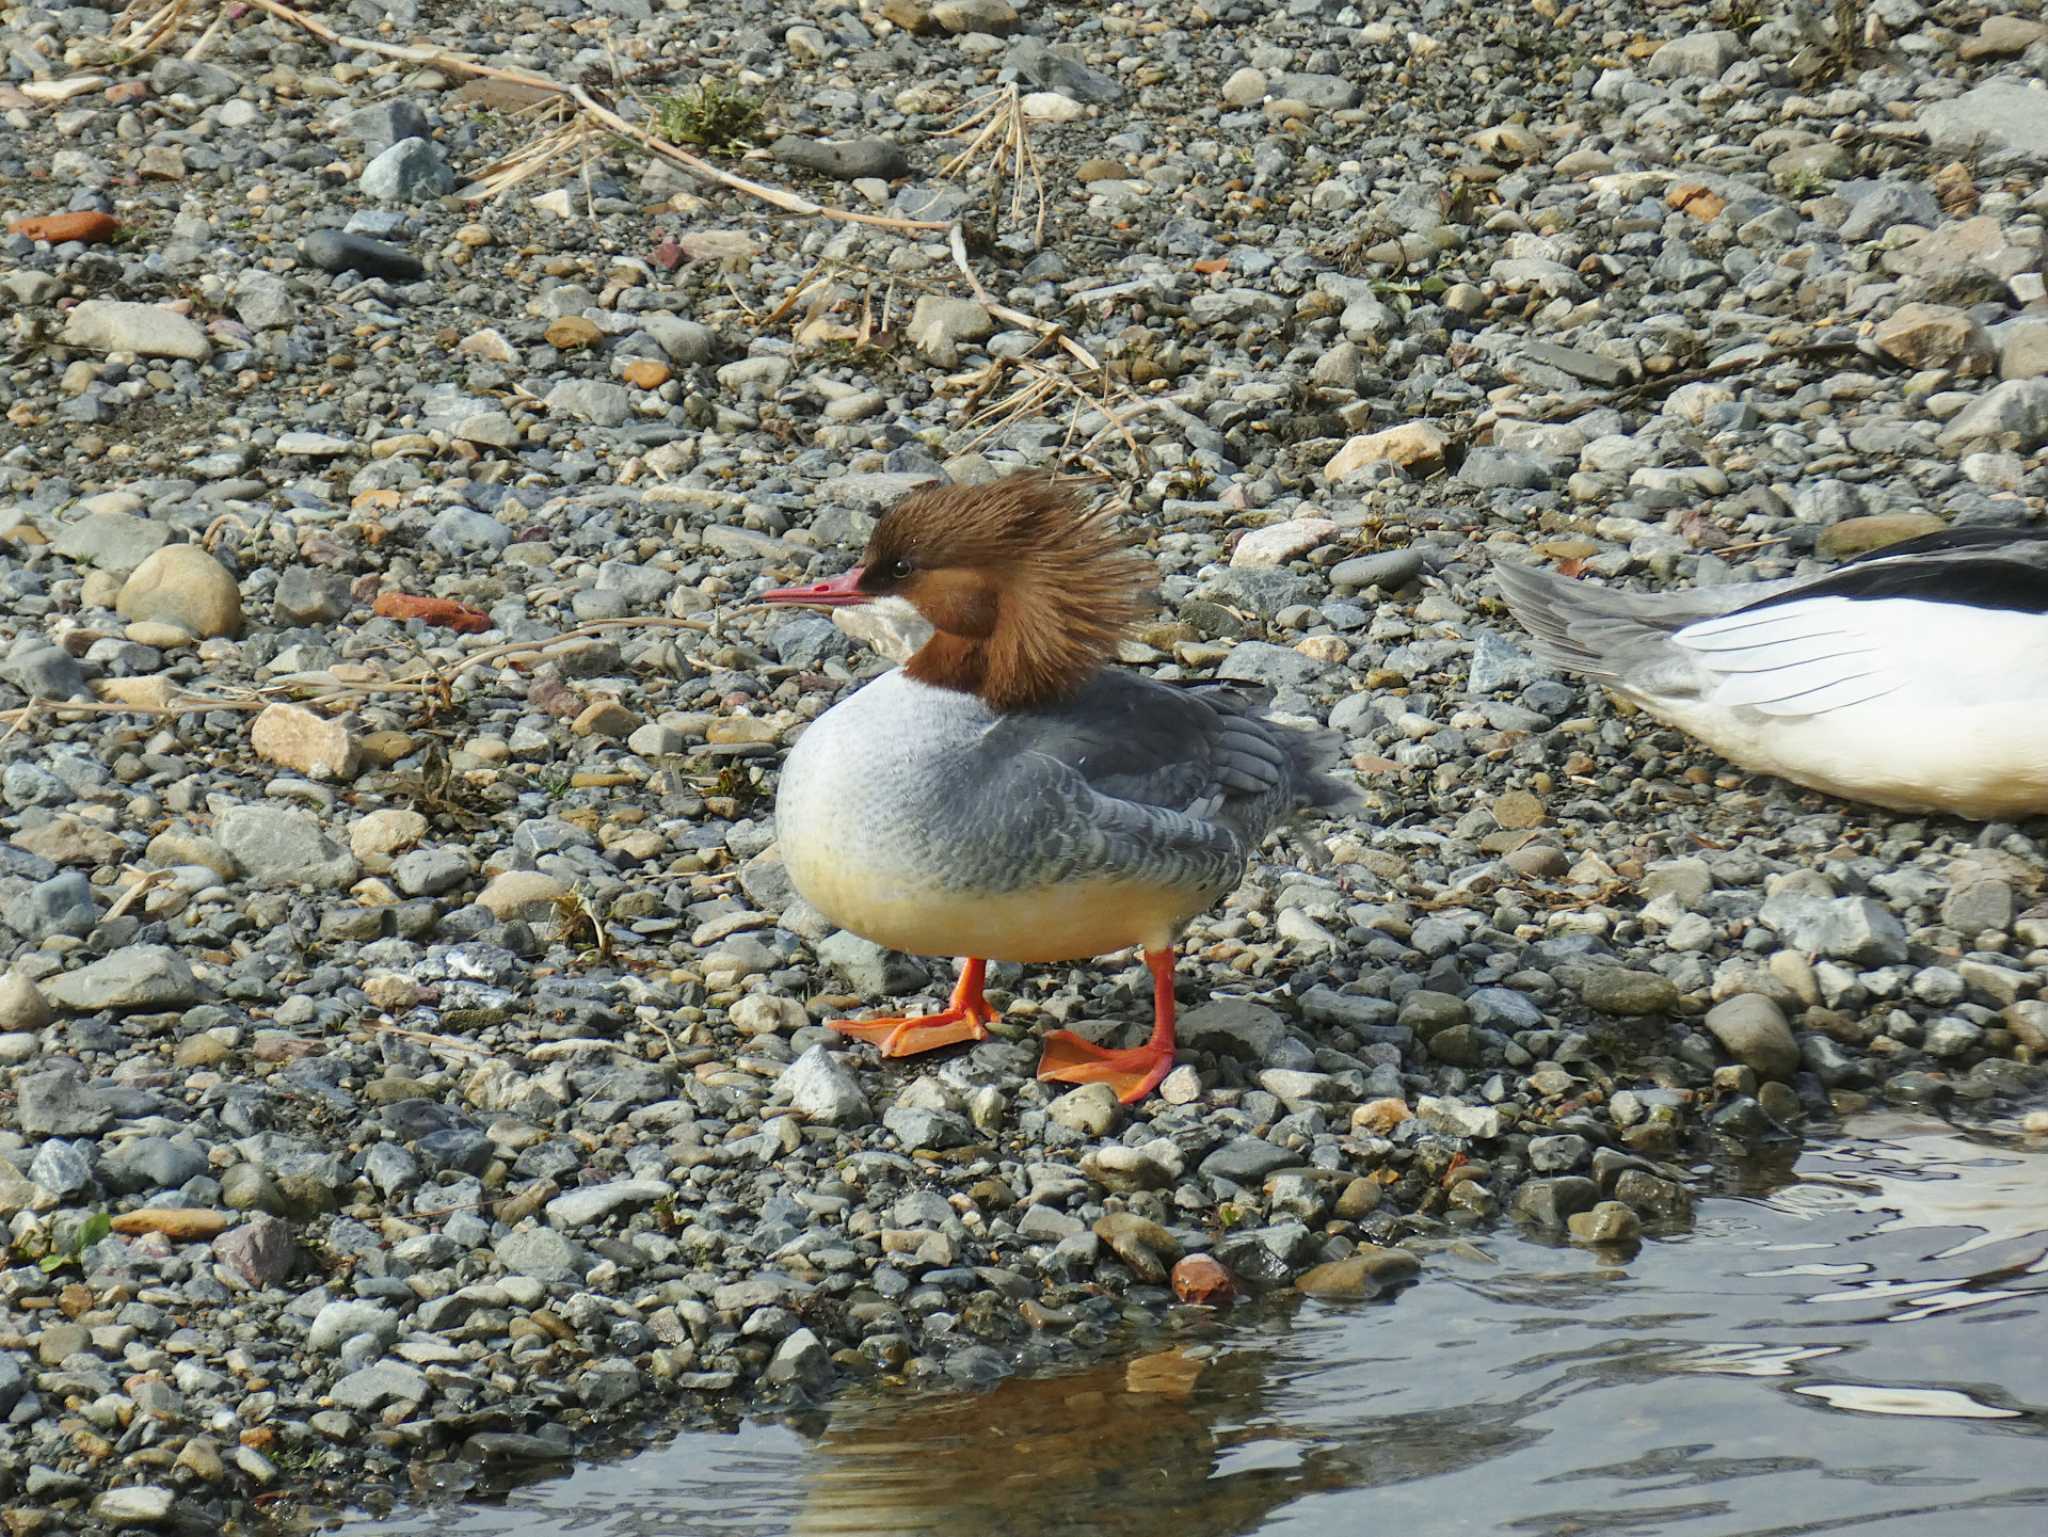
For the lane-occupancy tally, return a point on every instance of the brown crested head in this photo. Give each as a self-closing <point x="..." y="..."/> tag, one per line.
<point x="1027" y="587"/>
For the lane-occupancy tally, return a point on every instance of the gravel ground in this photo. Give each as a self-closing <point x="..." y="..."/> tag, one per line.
<point x="397" y="950"/>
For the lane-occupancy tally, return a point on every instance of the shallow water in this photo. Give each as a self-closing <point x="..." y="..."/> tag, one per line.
<point x="1863" y="1348"/>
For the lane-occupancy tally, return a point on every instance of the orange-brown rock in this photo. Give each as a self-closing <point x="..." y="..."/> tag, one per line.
<point x="445" y="612"/>
<point x="184" y="1225"/>
<point x="573" y="331"/>
<point x="1201" y="1279"/>
<point x="89" y="228"/>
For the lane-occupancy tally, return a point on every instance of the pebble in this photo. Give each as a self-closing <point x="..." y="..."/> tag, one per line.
<point x="1365" y="1273"/>
<point x="134" y="1505"/>
<point x="1753" y="1030"/>
<point x="308" y="744"/>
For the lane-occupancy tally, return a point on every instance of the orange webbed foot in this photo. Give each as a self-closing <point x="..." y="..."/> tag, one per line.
<point x="1132" y="1073"/>
<point x="967" y="1018"/>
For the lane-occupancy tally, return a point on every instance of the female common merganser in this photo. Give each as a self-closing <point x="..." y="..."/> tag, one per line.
<point x="1915" y="677"/>
<point x="1006" y="796"/>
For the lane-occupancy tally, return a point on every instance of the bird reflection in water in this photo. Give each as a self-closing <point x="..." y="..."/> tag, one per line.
<point x="1181" y="1443"/>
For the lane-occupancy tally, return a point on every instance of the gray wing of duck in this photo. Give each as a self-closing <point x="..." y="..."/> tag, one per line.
<point x="1135" y="778"/>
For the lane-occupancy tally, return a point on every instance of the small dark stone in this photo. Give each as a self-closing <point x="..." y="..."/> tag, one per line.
<point x="847" y="160"/>
<point x="334" y="251"/>
<point x="1650" y="1196"/>
<point x="1550" y="1203"/>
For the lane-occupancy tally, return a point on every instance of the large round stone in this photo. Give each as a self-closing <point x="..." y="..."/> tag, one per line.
<point x="183" y="585"/>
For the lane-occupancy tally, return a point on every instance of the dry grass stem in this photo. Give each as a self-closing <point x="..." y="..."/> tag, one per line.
<point x="1002" y="150"/>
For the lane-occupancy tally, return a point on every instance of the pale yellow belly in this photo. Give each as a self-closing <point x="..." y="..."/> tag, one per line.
<point x="1060" y="923"/>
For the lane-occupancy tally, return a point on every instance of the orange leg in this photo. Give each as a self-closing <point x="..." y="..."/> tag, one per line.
<point x="966" y="1019"/>
<point x="1133" y="1073"/>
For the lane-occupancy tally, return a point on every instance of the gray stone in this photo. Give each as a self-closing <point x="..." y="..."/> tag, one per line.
<point x="346" y="1318"/>
<point x="685" y="341"/>
<point x="1329" y="93"/>
<point x="1616" y="990"/>
<point x="1509" y="469"/>
<point x="1427" y="1012"/>
<point x="382" y="124"/>
<point x="1698" y="56"/>
<point x="1974" y="906"/>
<point x="800" y="1361"/>
<point x="388" y="1382"/>
<point x="2000" y="115"/>
<point x="589" y="1204"/>
<point x="465" y="531"/>
<point x="336" y="251"/>
<point x="1091" y="1110"/>
<point x="938" y="325"/>
<point x="62" y="1168"/>
<point x="1060" y="69"/>
<point x="146" y="1164"/>
<point x="112" y="541"/>
<point x="1388" y="569"/>
<point x="1606" y="1222"/>
<point x="59" y="1103"/>
<point x="314" y="445"/>
<point x="196" y="78"/>
<point x="870" y="969"/>
<point x="307" y="597"/>
<point x="25" y="783"/>
<point x="136" y="977"/>
<point x="2012" y="415"/>
<point x="1753" y="1030"/>
<point x="1247" y="1161"/>
<point x="1875" y="206"/>
<point x="1557" y="1154"/>
<point x="260" y="1250"/>
<point x="432" y="872"/>
<point x="43" y="671"/>
<point x="1258" y="661"/>
<point x="916" y="1127"/>
<point x="283" y="846"/>
<point x="541" y="1253"/>
<point x="263" y="301"/>
<point x="62" y="904"/>
<point x="819" y="1086"/>
<point x="1498" y="663"/>
<point x="2023" y="349"/>
<point x="408" y="172"/>
<point x="1588" y="366"/>
<point x="1840" y="928"/>
<point x="847" y="160"/>
<point x="590" y="400"/>
<point x="1235" y="1027"/>
<point x="134" y="1505"/>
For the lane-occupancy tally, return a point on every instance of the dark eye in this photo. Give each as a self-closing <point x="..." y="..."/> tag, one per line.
<point x="899" y="570"/>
